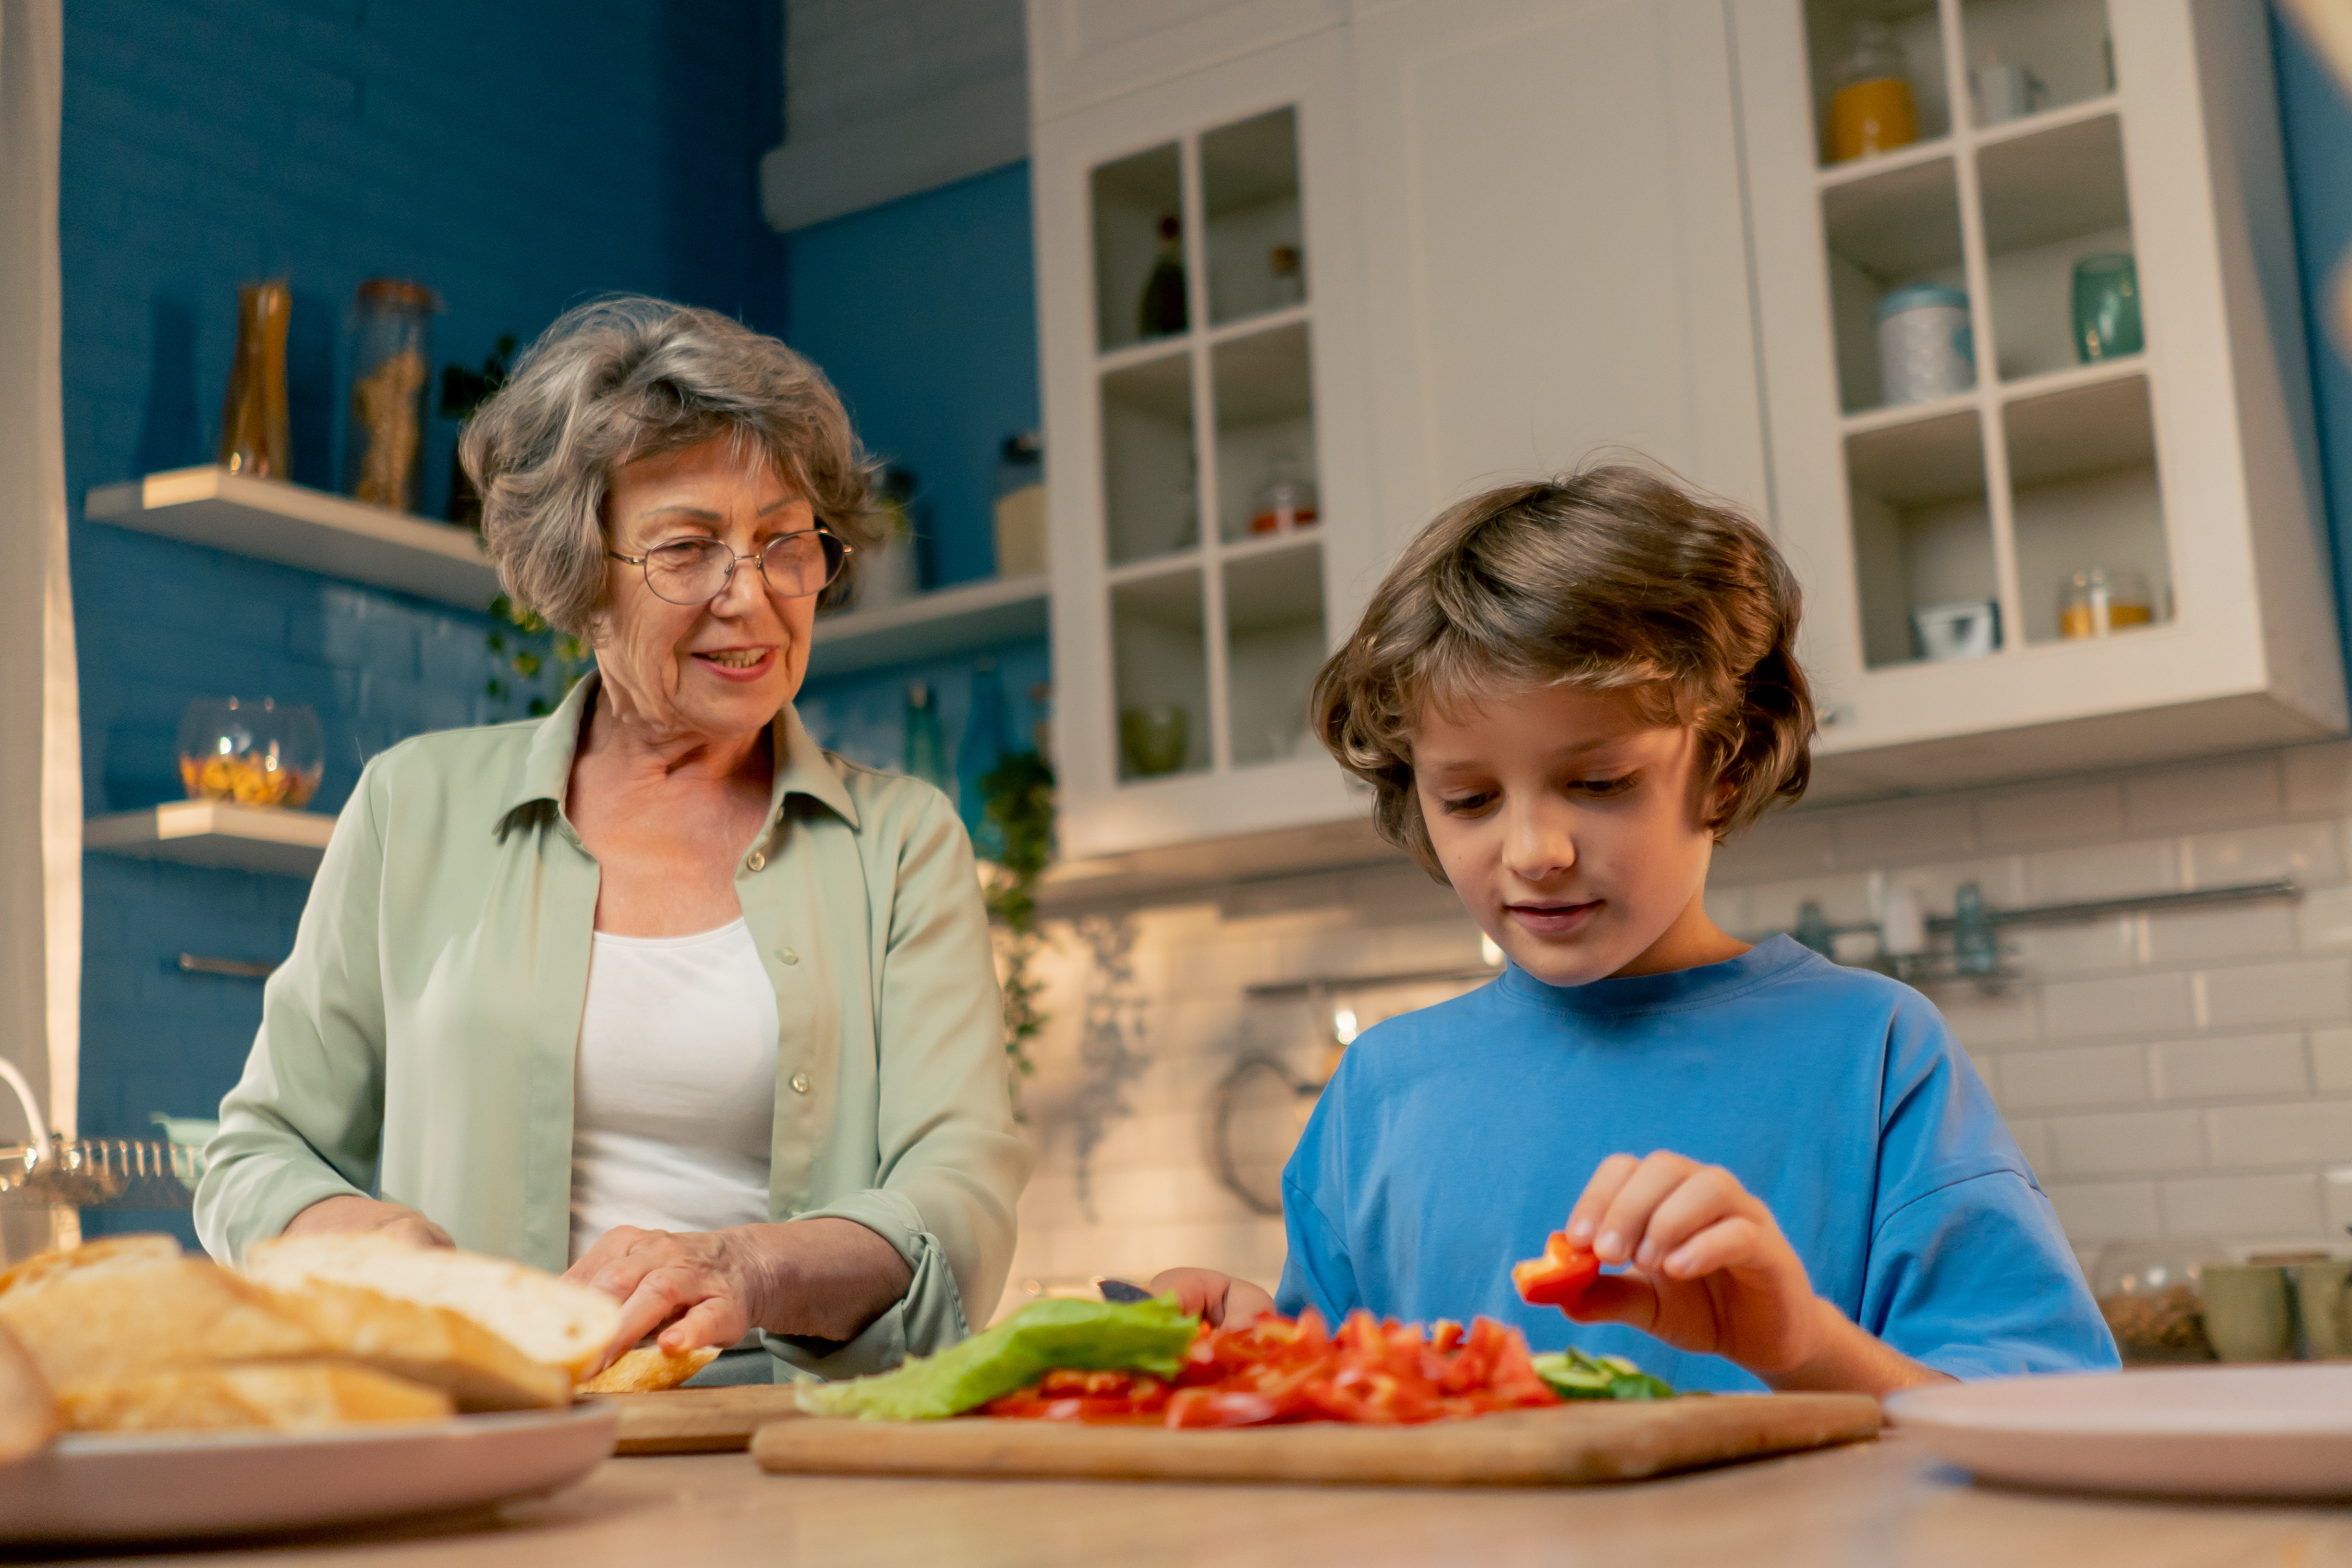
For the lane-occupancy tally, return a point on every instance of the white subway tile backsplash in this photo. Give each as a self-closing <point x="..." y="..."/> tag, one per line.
<point x="2114" y="1143"/>
<point x="2336" y="1201"/>
<point x="2304" y="849"/>
<point x="2331" y="1060"/>
<point x="2324" y="917"/>
<point x="2105" y="871"/>
<point x="2032" y="1142"/>
<point x="1772" y="906"/>
<point x="2310" y="990"/>
<point x="2318" y="779"/>
<point x="2050" y="816"/>
<point x="1902" y="832"/>
<point x="2236" y="1068"/>
<point x="2204" y="794"/>
<point x="2051" y="1079"/>
<point x="1785" y="844"/>
<point x="2307" y="1132"/>
<point x="2128" y="1005"/>
<point x="2247" y="1207"/>
<point x="1987" y="1023"/>
<point x="2066" y="951"/>
<point x="2200" y="936"/>
<point x="2094" y="1212"/>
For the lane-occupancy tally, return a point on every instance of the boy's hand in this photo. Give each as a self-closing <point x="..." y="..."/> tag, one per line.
<point x="1218" y="1298"/>
<point x="1708" y="1271"/>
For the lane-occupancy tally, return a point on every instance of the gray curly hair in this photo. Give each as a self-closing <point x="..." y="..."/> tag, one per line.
<point x="628" y="377"/>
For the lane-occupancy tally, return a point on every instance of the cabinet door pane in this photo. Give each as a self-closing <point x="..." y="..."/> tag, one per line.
<point x="1273" y="644"/>
<point x="1249" y="185"/>
<point x="1138" y="215"/>
<point x="1161" y="674"/>
<point x="1261" y="388"/>
<point x="1923" y="541"/>
<point x="1150" y="486"/>
<point x="2026" y="56"/>
<point x="2085" y="500"/>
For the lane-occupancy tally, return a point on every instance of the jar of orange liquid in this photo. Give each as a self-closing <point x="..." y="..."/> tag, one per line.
<point x="1872" y="111"/>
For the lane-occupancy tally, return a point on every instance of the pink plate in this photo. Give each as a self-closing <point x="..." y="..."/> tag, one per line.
<point x="2201" y="1431"/>
<point x="106" y="1486"/>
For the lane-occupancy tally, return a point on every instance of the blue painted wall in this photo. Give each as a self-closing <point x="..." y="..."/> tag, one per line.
<point x="2316" y="113"/>
<point x="516" y="157"/>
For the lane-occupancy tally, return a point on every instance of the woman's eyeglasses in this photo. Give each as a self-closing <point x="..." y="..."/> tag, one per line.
<point x="697" y="570"/>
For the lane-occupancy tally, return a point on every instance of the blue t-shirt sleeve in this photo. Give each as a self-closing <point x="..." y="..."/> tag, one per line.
<point x="1318" y="1272"/>
<point x="1969" y="1271"/>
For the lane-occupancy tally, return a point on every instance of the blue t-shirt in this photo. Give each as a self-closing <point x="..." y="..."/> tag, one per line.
<point x="1453" y="1140"/>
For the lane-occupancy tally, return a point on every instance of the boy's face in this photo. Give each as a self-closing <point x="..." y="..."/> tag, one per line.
<point x="1570" y="827"/>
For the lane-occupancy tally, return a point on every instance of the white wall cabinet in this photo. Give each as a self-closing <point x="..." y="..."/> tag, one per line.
<point x="1536" y="229"/>
<point x="2189" y="463"/>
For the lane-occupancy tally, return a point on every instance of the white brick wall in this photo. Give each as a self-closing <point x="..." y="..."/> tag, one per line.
<point x="2185" y="1074"/>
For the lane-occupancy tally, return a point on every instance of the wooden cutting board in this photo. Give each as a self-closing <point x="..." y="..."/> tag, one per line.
<point x="700" y="1420"/>
<point x="1568" y="1445"/>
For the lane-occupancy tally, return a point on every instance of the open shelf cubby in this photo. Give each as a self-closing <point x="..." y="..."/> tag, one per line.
<point x="1274" y="643"/>
<point x="2085" y="494"/>
<point x="1922" y="528"/>
<point x="1160" y="667"/>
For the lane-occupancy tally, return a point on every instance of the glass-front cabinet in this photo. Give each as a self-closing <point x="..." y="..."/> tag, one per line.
<point x="2039" y="410"/>
<point x="1207" y="488"/>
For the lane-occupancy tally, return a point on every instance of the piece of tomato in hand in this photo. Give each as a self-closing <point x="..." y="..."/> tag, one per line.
<point x="1560" y="1277"/>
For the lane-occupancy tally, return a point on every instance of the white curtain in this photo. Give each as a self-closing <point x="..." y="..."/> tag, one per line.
<point x="40" y="741"/>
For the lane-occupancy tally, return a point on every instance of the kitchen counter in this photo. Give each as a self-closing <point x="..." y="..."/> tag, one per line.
<point x="1884" y="1504"/>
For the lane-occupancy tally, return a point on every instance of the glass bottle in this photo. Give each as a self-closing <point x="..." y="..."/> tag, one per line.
<point x="927" y="742"/>
<point x="391" y="354"/>
<point x="1165" y="310"/>
<point x="1286" y="502"/>
<point x="253" y="411"/>
<point x="984" y="747"/>
<point x="1872" y="111"/>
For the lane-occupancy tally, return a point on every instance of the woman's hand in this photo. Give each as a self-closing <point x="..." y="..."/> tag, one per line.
<point x="352" y="1215"/>
<point x="826" y="1278"/>
<point x="1706" y="1269"/>
<point x="1218" y="1298"/>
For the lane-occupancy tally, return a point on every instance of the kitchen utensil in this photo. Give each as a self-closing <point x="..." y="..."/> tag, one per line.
<point x="391" y="357"/>
<point x="1926" y="349"/>
<point x="1155" y="739"/>
<point x="1568" y="1445"/>
<point x="2006" y="91"/>
<point x="2247" y="1315"/>
<point x="699" y="1420"/>
<point x="1120" y="1290"/>
<point x="2324" y="1308"/>
<point x="2106" y="308"/>
<point x="254" y="438"/>
<point x="1872" y="110"/>
<point x="253" y="752"/>
<point x="2101" y="600"/>
<point x="128" y="1486"/>
<point x="1969" y="630"/>
<point x="2177" y="1431"/>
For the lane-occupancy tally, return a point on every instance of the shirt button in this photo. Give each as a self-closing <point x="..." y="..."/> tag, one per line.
<point x="787" y="955"/>
<point x="800" y="1083"/>
<point x="757" y="860"/>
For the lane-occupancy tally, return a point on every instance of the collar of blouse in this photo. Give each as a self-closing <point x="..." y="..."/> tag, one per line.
<point x="545" y="772"/>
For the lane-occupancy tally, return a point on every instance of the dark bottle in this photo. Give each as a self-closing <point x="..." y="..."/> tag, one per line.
<point x="1164" y="312"/>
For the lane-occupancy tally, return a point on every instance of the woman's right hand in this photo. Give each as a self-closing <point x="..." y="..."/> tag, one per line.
<point x="351" y="1216"/>
<point x="1219" y="1297"/>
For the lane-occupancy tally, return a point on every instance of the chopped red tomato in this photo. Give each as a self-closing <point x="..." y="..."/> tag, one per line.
<point x="1277" y="1370"/>
<point x="1560" y="1277"/>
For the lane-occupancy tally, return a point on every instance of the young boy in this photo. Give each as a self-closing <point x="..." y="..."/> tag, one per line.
<point x="1564" y="694"/>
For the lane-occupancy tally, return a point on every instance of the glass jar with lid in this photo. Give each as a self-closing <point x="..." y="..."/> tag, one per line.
<point x="2101" y="600"/>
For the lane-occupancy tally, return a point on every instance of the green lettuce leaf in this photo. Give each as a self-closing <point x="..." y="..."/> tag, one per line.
<point x="1572" y="1375"/>
<point x="1092" y="1336"/>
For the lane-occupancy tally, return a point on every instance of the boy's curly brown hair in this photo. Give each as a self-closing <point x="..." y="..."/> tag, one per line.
<point x="1614" y="577"/>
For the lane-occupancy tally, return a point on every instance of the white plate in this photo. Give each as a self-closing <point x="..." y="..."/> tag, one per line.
<point x="99" y="1486"/>
<point x="2220" y="1431"/>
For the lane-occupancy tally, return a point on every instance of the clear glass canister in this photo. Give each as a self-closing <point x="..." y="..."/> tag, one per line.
<point x="391" y="356"/>
<point x="2102" y="600"/>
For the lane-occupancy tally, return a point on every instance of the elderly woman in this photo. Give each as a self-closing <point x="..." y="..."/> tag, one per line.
<point x="652" y="989"/>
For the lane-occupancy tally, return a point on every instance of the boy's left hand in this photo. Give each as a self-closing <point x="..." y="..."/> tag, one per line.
<point x="1706" y="1269"/>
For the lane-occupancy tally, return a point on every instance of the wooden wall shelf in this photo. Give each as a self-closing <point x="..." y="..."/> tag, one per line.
<point x="947" y="621"/>
<point x="218" y="835"/>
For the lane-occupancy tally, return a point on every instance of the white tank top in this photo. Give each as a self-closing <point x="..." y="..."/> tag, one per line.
<point x="674" y="1098"/>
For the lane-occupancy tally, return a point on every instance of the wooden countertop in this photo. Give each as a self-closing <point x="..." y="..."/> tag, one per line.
<point x="1887" y="1504"/>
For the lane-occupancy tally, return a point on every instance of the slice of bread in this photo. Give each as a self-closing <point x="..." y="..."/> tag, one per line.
<point x="132" y="1312"/>
<point x="111" y="1251"/>
<point x="649" y="1369"/>
<point x="291" y="1396"/>
<point x="430" y="1345"/>
<point x="29" y="1411"/>
<point x="547" y="1318"/>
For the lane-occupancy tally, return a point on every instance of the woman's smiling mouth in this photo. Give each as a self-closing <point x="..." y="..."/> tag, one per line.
<point x="1553" y="919"/>
<point x="738" y="663"/>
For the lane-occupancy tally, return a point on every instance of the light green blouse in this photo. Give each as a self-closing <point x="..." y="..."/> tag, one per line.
<point x="420" y="1041"/>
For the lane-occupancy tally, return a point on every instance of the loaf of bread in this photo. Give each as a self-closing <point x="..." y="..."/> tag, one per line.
<point x="29" y="1411"/>
<point x="549" y="1320"/>
<point x="649" y="1369"/>
<point x="109" y="1314"/>
<point x="291" y="1396"/>
<point x="431" y="1345"/>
